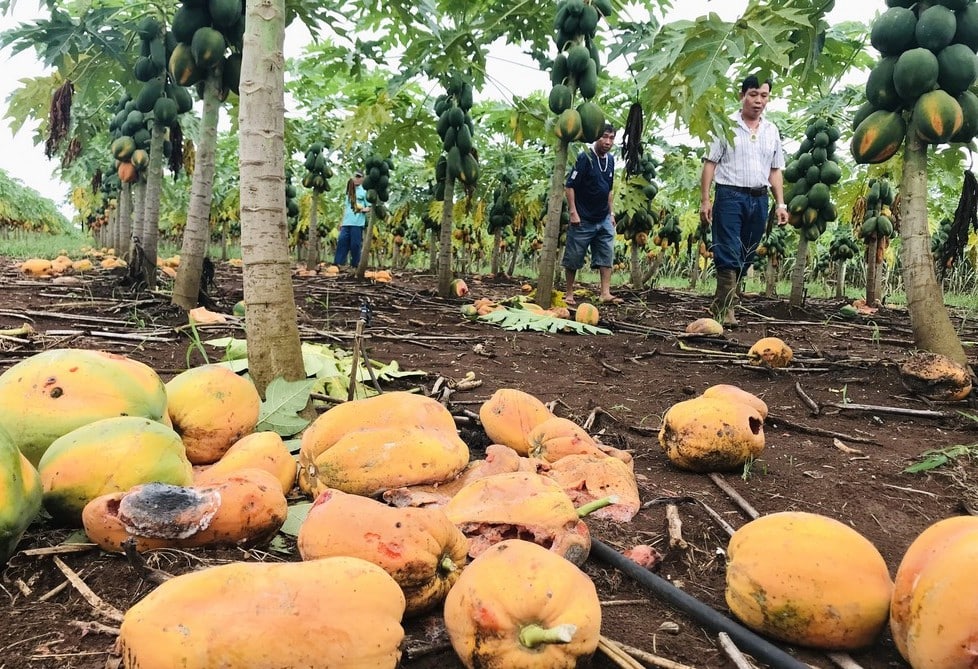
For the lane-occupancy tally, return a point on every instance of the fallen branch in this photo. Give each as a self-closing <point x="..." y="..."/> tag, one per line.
<point x="61" y="549"/>
<point x="900" y="411"/>
<point x="846" y="449"/>
<point x="812" y="405"/>
<point x="101" y="608"/>
<point x="744" y="505"/>
<point x="650" y="658"/>
<point x="819" y="431"/>
<point x="732" y="652"/>
<point x="92" y="627"/>
<point x="675" y="527"/>
<point x="616" y="654"/>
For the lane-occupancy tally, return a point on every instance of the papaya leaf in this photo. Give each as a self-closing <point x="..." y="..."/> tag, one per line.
<point x="296" y="515"/>
<point x="283" y="402"/>
<point x="524" y="319"/>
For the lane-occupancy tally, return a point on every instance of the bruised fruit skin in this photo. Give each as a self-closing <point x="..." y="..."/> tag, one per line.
<point x="711" y="434"/>
<point x="808" y="579"/>
<point x="211" y="407"/>
<point x="246" y="508"/>
<point x="51" y="393"/>
<point x="509" y="416"/>
<point x="262" y="450"/>
<point x="549" y="617"/>
<point x="419" y="547"/>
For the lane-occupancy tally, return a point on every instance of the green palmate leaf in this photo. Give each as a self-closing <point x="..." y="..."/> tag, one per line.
<point x="329" y="369"/>
<point x="297" y="514"/>
<point x="523" y="319"/>
<point x="283" y="402"/>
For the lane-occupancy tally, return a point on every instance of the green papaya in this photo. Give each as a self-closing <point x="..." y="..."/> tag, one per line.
<point x="20" y="495"/>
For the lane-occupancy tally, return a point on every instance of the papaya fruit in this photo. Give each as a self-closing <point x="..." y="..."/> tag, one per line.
<point x="937" y="116"/>
<point x="51" y="393"/>
<point x="109" y="455"/>
<point x="20" y="495"/>
<point x="208" y="47"/>
<point x="878" y="137"/>
<point x="592" y="120"/>
<point x="915" y="73"/>
<point x="211" y="408"/>
<point x="187" y="621"/>
<point x="893" y="32"/>
<point x="568" y="126"/>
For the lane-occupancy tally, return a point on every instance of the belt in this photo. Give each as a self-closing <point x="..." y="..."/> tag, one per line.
<point x="754" y="192"/>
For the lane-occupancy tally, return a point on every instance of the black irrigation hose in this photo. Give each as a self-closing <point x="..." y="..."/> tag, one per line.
<point x="746" y="640"/>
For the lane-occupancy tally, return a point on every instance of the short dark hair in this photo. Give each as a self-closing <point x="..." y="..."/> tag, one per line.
<point x="358" y="174"/>
<point x="608" y="128"/>
<point x="752" y="81"/>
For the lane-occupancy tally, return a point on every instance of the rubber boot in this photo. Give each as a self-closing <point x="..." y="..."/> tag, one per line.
<point x="725" y="298"/>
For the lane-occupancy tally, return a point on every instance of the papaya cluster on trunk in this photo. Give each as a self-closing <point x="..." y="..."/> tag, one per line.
<point x="376" y="181"/>
<point x="922" y="82"/>
<point x="639" y="217"/>
<point x="159" y="101"/>
<point x="812" y="172"/>
<point x="208" y="37"/>
<point x="575" y="70"/>
<point x="460" y="159"/>
<point x="318" y="169"/>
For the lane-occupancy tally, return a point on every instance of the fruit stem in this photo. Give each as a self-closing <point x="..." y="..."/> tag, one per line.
<point x="591" y="507"/>
<point x="533" y="635"/>
<point x="446" y="565"/>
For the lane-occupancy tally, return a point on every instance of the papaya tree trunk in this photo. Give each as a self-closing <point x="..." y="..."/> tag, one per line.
<point x="433" y="251"/>
<point x="551" y="230"/>
<point x="368" y="236"/>
<point x="515" y="253"/>
<point x="150" y="234"/>
<point x="121" y="232"/>
<point x="497" y="240"/>
<point x="797" y="297"/>
<point x="840" y="279"/>
<point x="635" y="266"/>
<point x="929" y="319"/>
<point x="138" y="213"/>
<point x="771" y="276"/>
<point x="196" y="234"/>
<point x="445" y="239"/>
<point x="272" y="327"/>
<point x="312" y="234"/>
<point x="872" y="272"/>
<point x="694" y="267"/>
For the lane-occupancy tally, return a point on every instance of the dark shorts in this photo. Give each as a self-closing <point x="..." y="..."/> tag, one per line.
<point x="599" y="237"/>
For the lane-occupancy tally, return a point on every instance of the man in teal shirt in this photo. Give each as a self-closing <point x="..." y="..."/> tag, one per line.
<point x="355" y="210"/>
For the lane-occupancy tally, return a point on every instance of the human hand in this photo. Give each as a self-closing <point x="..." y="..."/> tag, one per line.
<point x="782" y="216"/>
<point x="706" y="212"/>
<point x="575" y="218"/>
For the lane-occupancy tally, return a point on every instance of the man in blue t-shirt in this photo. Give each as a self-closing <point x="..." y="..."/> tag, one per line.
<point x="592" y="220"/>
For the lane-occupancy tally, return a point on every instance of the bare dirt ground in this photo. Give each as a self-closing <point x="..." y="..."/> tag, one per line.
<point x="845" y="463"/>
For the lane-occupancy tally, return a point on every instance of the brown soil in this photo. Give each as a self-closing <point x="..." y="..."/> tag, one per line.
<point x="623" y="383"/>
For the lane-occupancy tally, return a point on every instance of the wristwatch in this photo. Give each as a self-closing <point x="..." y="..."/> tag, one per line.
<point x="782" y="206"/>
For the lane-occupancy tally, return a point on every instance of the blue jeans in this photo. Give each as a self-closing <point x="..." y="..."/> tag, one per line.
<point x="599" y="237"/>
<point x="349" y="243"/>
<point x="739" y="220"/>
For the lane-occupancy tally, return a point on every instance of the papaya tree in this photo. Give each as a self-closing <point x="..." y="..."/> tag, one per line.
<point x="207" y="54"/>
<point x="318" y="174"/>
<point x="918" y="96"/>
<point x="574" y="76"/>
<point x="271" y="327"/>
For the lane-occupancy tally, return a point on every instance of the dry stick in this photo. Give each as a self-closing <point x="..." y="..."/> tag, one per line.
<point x="730" y="648"/>
<point x="744" y="505"/>
<point x="60" y="550"/>
<point x="812" y="405"/>
<point x="53" y="591"/>
<point x="843" y="660"/>
<point x="616" y="654"/>
<point x="95" y="627"/>
<point x="819" y="431"/>
<point x="355" y="362"/>
<point x="103" y="609"/>
<point x="675" y="527"/>
<point x="923" y="413"/>
<point x="650" y="658"/>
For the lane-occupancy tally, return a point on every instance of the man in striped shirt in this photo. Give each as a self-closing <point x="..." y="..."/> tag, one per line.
<point x="743" y="172"/>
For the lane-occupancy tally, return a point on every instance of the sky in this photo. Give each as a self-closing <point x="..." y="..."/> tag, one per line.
<point x="25" y="162"/>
